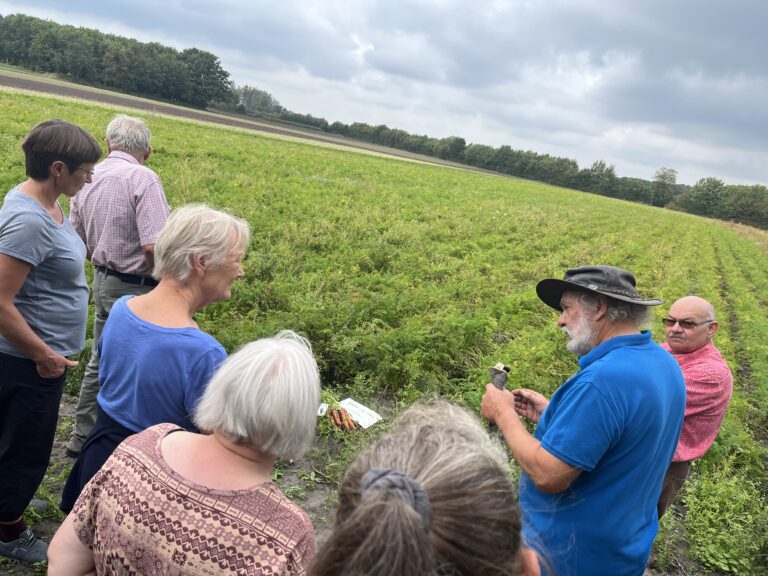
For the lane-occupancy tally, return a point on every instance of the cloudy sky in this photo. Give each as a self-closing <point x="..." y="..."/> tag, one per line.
<point x="640" y="84"/>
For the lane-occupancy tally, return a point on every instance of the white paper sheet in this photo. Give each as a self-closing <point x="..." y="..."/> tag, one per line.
<point x="362" y="415"/>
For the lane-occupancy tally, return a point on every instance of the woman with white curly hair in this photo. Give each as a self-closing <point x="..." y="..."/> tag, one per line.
<point x="173" y="502"/>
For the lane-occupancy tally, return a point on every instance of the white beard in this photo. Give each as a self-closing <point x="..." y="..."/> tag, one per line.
<point x="580" y="337"/>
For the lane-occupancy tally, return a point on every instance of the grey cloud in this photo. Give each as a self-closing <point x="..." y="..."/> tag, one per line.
<point x="252" y="29"/>
<point x="680" y="77"/>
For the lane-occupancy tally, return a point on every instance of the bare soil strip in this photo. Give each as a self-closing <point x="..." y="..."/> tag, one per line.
<point x="59" y="88"/>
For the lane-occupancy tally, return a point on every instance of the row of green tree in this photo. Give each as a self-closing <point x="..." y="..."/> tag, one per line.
<point x="249" y="100"/>
<point x="196" y="77"/>
<point x="737" y="202"/>
<point x="191" y="76"/>
<point x="708" y="197"/>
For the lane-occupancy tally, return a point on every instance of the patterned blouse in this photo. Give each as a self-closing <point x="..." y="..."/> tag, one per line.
<point x="140" y="517"/>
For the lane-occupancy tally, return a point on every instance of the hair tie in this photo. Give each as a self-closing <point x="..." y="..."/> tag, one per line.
<point x="403" y="486"/>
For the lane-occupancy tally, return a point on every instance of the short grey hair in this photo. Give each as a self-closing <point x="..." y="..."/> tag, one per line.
<point x="128" y="134"/>
<point x="266" y="395"/>
<point x="197" y="230"/>
<point x="619" y="310"/>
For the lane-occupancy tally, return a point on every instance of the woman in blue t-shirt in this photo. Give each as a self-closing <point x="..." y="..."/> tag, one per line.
<point x="43" y="311"/>
<point x="154" y="361"/>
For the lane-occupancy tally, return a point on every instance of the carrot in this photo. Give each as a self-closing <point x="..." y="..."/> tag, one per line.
<point x="350" y="423"/>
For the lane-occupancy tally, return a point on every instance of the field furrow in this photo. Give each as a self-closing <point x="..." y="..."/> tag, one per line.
<point x="411" y="279"/>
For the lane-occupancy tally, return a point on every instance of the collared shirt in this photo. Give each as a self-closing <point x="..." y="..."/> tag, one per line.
<point x="123" y="209"/>
<point x="708" y="384"/>
<point x="617" y="420"/>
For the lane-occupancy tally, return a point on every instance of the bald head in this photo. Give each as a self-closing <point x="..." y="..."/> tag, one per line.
<point x="695" y="304"/>
<point x="690" y="310"/>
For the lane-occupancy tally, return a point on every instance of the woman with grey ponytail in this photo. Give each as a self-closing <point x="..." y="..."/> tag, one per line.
<point x="431" y="497"/>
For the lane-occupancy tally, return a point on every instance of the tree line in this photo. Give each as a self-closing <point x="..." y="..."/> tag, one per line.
<point x="190" y="76"/>
<point x="737" y="202"/>
<point x="708" y="197"/>
<point x="196" y="78"/>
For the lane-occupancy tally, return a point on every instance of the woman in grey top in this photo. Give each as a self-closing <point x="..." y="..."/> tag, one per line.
<point x="43" y="311"/>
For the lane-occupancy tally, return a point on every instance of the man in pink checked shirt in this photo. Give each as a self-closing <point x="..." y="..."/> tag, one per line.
<point x="118" y="216"/>
<point x="690" y="325"/>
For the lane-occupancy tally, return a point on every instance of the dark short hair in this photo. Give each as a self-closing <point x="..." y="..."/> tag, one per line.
<point x="54" y="140"/>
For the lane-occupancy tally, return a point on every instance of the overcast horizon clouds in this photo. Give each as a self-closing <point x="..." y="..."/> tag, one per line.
<point x="638" y="84"/>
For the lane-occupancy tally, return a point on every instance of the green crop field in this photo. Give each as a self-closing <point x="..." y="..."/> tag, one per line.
<point x="410" y="279"/>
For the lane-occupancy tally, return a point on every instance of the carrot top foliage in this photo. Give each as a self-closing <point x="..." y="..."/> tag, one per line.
<point x="411" y="278"/>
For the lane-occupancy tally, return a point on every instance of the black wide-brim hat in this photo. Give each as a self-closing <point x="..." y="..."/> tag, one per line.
<point x="606" y="280"/>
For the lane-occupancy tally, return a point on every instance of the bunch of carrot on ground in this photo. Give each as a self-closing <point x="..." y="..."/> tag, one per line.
<point x="341" y="419"/>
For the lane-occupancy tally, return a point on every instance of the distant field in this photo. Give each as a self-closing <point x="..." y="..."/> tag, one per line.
<point x="410" y="278"/>
<point x="17" y="78"/>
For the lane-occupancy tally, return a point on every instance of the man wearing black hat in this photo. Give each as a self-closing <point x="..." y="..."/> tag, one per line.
<point x="593" y="470"/>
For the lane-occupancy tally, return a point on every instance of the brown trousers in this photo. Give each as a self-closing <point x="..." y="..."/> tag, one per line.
<point x="673" y="481"/>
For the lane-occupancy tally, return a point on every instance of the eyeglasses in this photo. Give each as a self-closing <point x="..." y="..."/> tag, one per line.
<point x="72" y="167"/>
<point x="686" y="324"/>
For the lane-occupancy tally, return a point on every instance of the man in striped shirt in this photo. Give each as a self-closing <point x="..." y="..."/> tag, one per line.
<point x="690" y="326"/>
<point x="118" y="216"/>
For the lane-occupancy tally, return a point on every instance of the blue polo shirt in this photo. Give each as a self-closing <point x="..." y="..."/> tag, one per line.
<point x="617" y="420"/>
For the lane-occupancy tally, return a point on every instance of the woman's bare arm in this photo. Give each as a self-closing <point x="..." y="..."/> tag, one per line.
<point x="67" y="555"/>
<point x="13" y="327"/>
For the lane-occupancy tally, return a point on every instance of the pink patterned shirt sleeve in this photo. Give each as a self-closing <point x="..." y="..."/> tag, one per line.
<point x="708" y="387"/>
<point x="140" y="517"/>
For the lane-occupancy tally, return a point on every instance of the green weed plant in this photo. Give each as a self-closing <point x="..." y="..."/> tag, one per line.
<point x="411" y="279"/>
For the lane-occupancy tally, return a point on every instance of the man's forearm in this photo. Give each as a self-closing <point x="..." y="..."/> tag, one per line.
<point x="522" y="445"/>
<point x="149" y="256"/>
<point x="545" y="470"/>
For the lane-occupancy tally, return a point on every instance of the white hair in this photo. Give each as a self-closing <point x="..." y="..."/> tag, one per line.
<point x="197" y="230"/>
<point x="128" y="134"/>
<point x="619" y="310"/>
<point x="581" y="336"/>
<point x="266" y="394"/>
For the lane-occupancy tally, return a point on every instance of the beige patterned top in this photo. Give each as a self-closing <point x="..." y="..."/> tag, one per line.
<point x="140" y="517"/>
